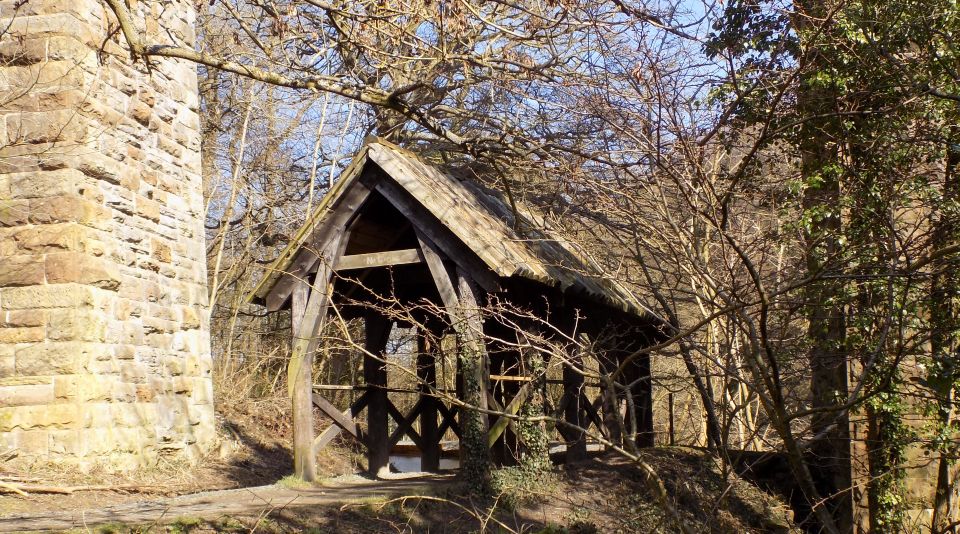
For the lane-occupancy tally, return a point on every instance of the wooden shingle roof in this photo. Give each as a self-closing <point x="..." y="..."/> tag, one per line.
<point x="510" y="243"/>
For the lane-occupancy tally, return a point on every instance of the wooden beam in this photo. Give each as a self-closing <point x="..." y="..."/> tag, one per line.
<point x="343" y="420"/>
<point x="441" y="278"/>
<point x="298" y="306"/>
<point x="326" y="231"/>
<point x="448" y="420"/>
<point x="425" y="223"/>
<point x="511" y="409"/>
<point x="333" y="430"/>
<point x="379" y="259"/>
<point x="375" y="376"/>
<point x="476" y="379"/>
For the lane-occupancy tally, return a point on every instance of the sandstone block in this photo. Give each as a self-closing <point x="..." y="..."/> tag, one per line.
<point x="69" y="209"/>
<point x="76" y="325"/>
<point x="57" y="126"/>
<point x="18" y="271"/>
<point x="54" y="296"/>
<point x="202" y="391"/>
<point x="51" y="416"/>
<point x="161" y="251"/>
<point x="21" y="335"/>
<point x="49" y="183"/>
<point x="22" y="318"/>
<point x="66" y="358"/>
<point x="14" y="212"/>
<point x="68" y="267"/>
<point x="7" y="362"/>
<point x="27" y="394"/>
<point x="53" y="238"/>
<point x="65" y="442"/>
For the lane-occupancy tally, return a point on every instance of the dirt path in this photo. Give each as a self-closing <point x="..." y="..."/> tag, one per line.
<point x="210" y="505"/>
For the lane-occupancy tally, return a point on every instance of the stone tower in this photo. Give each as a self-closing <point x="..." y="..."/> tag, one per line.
<point x="104" y="338"/>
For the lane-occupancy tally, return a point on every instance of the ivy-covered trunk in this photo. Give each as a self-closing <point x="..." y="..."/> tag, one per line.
<point x="472" y="354"/>
<point x="943" y="375"/>
<point x="532" y="429"/>
<point x="820" y="136"/>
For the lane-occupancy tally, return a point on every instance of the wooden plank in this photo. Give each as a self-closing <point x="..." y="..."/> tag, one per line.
<point x="379" y="259"/>
<point x="300" y="367"/>
<point x="450" y="245"/>
<point x="441" y="278"/>
<point x="332" y="431"/>
<point x="343" y="420"/>
<point x="375" y="376"/>
<point x="510" y="378"/>
<point x="511" y="409"/>
<point x="306" y="260"/>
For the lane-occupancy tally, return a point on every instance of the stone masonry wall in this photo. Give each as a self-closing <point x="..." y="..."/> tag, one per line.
<point x="104" y="336"/>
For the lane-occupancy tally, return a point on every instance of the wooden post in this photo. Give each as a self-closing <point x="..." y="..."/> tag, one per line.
<point x="427" y="373"/>
<point x="375" y="376"/>
<point x="642" y="392"/>
<point x="299" y="378"/>
<point x="306" y="325"/>
<point x="670" y="408"/>
<point x="573" y="412"/>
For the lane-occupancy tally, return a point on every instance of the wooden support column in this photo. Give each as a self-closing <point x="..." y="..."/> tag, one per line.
<point x="309" y="307"/>
<point x="375" y="376"/>
<point x="642" y="392"/>
<point x="573" y="411"/>
<point x="427" y="373"/>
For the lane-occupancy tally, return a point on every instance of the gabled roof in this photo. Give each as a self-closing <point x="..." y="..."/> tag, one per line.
<point x="512" y="244"/>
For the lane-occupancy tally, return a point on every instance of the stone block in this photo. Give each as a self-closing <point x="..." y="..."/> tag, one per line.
<point x="7" y="362"/>
<point x="48" y="359"/>
<point x="22" y="318"/>
<point x="49" y="296"/>
<point x="202" y="391"/>
<point x="57" y="126"/>
<point x="76" y="325"/>
<point x="19" y="271"/>
<point x="49" y="183"/>
<point x="51" y="416"/>
<point x="21" y="335"/>
<point x="52" y="238"/>
<point x="14" y="212"/>
<point x="81" y="268"/>
<point x="69" y="209"/>
<point x="161" y="250"/>
<point x="27" y="394"/>
<point x="66" y="442"/>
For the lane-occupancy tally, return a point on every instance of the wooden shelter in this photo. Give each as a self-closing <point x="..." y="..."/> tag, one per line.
<point x="396" y="232"/>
